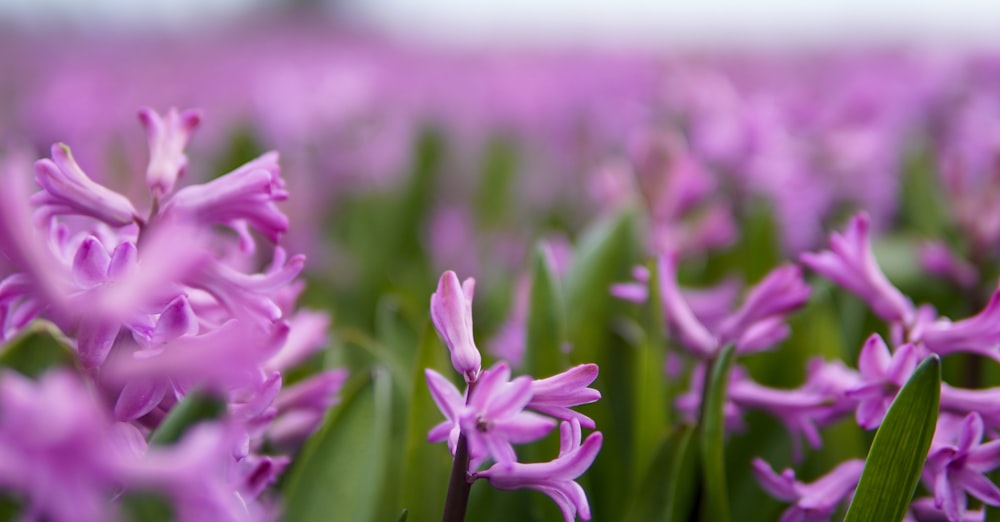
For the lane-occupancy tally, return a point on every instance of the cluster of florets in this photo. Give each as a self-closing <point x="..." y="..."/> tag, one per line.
<point x="958" y="459"/>
<point x="156" y="304"/>
<point x="496" y="412"/>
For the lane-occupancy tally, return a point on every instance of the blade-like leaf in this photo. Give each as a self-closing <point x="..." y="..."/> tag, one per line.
<point x="340" y="471"/>
<point x="898" y="453"/>
<point x="668" y="488"/>
<point x="39" y="347"/>
<point x="545" y="329"/>
<point x="427" y="466"/>
<point x="195" y="407"/>
<point x="715" y="501"/>
<point x="651" y="393"/>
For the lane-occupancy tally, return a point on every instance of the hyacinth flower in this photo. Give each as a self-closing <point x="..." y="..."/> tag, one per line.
<point x="851" y="264"/>
<point x="758" y="324"/>
<point x="151" y="322"/>
<point x="811" y="502"/>
<point x="495" y="413"/>
<point x="957" y="467"/>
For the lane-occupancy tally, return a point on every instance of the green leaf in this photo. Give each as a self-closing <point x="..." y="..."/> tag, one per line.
<point x="427" y="466"/>
<point x="602" y="257"/>
<point x="667" y="491"/>
<point x="684" y="476"/>
<point x="715" y="502"/>
<point x="651" y="394"/>
<point x="545" y="329"/>
<point x="147" y="506"/>
<point x="195" y="407"/>
<point x="39" y="347"/>
<point x="340" y="471"/>
<point x="898" y="453"/>
<point x="403" y="516"/>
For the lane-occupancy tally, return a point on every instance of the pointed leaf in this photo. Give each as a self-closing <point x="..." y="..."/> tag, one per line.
<point x="651" y="393"/>
<point x="39" y="347"/>
<point x="545" y="329"/>
<point x="715" y="501"/>
<point x="340" y="471"/>
<point x="427" y="466"/>
<point x="898" y="453"/>
<point x="195" y="407"/>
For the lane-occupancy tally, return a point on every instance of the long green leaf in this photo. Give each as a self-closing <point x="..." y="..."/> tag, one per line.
<point x="340" y="471"/>
<point x="715" y="502"/>
<point x="195" y="407"/>
<point x="668" y="489"/>
<point x="898" y="453"/>
<point x="651" y="394"/>
<point x="427" y="466"/>
<point x="39" y="347"/>
<point x="546" y="326"/>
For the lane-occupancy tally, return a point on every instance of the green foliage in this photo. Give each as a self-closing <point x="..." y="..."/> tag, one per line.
<point x="195" y="407"/>
<point x="898" y="453"/>
<point x="712" y="428"/>
<point x="39" y="347"/>
<point x="340" y="472"/>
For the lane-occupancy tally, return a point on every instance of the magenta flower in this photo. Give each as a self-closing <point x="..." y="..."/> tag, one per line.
<point x="245" y="196"/>
<point x="979" y="334"/>
<point x="67" y="190"/>
<point x="555" y="395"/>
<point x="882" y="376"/>
<point x="815" y="502"/>
<point x="851" y="264"/>
<point x="960" y="468"/>
<point x="556" y="478"/>
<point x="168" y="135"/>
<point x="493" y="418"/>
<point x="451" y="311"/>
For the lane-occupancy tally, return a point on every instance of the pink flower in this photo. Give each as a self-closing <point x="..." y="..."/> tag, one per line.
<point x="556" y="478"/>
<point x="960" y="468"/>
<point x="168" y="136"/>
<point x="451" y="312"/>
<point x="66" y="189"/>
<point x="813" y="502"/>
<point x="851" y="264"/>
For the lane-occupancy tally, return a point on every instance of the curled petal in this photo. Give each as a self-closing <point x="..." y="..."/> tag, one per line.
<point x="67" y="190"/>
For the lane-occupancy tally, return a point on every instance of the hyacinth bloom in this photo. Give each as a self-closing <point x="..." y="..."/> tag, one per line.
<point x="168" y="136"/>
<point x="979" y="334"/>
<point x="451" y="311"/>
<point x="557" y="394"/>
<point x="811" y="502"/>
<point x="959" y="468"/>
<point x="556" y="478"/>
<point x="758" y="324"/>
<point x="882" y="374"/>
<point x="67" y="190"/>
<point x="493" y="419"/>
<point x="851" y="264"/>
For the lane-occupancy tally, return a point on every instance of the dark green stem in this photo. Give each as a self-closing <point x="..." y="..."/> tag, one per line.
<point x="458" y="486"/>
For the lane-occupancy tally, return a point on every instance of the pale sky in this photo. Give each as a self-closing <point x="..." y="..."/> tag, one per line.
<point x="592" y="21"/>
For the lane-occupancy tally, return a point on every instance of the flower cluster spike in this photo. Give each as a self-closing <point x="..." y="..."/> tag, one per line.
<point x="156" y="303"/>
<point x="497" y="412"/>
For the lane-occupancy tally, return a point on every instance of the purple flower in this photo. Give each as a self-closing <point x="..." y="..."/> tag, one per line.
<point x="451" y="311"/>
<point x="882" y="376"/>
<point x="494" y="417"/>
<point x="301" y="407"/>
<point x="244" y="196"/>
<point x="782" y="291"/>
<point x="556" y="478"/>
<point x="55" y="446"/>
<point x="168" y="136"/>
<point x="851" y="264"/>
<point x="959" y="468"/>
<point x="979" y="334"/>
<point x="557" y="394"/>
<point x="813" y="502"/>
<point x="67" y="190"/>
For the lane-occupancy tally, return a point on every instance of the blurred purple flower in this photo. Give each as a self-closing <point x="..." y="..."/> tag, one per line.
<point x="812" y="502"/>
<point x="168" y="135"/>
<point x="959" y="468"/>
<point x="882" y="375"/>
<point x="67" y="190"/>
<point x="851" y="264"/>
